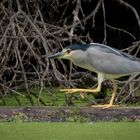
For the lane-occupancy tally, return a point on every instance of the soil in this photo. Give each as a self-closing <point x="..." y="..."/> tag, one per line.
<point x="63" y="114"/>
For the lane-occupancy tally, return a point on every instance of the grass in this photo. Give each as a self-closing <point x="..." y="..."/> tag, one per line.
<point x="70" y="131"/>
<point x="52" y="98"/>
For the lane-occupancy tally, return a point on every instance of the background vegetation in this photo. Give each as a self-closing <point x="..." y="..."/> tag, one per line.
<point x="30" y="30"/>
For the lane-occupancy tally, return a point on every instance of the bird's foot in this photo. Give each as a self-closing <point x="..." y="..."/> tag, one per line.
<point x="105" y="106"/>
<point x="67" y="91"/>
<point x="70" y="90"/>
<point x="73" y="90"/>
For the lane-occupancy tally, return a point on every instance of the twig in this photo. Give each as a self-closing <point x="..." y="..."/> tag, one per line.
<point x="132" y="9"/>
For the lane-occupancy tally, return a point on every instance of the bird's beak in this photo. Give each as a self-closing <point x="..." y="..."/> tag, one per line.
<point x="57" y="55"/>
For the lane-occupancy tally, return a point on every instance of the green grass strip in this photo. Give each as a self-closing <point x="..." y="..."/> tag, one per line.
<point x="70" y="131"/>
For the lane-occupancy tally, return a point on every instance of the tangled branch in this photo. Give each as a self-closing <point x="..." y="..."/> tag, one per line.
<point x="31" y="30"/>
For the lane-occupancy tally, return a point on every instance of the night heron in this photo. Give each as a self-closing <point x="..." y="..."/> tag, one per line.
<point x="108" y="63"/>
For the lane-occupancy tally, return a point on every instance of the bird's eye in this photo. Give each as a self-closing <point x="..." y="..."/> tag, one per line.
<point x="68" y="51"/>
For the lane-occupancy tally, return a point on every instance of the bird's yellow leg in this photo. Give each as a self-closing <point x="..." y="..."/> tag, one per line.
<point x="111" y="100"/>
<point x="73" y="90"/>
<point x="100" y="80"/>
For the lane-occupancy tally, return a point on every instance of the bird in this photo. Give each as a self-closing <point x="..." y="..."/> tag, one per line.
<point x="109" y="63"/>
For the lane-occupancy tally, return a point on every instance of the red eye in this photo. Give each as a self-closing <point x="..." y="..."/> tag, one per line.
<point x="68" y="51"/>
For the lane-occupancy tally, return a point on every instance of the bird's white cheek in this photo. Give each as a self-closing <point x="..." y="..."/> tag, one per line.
<point x="68" y="56"/>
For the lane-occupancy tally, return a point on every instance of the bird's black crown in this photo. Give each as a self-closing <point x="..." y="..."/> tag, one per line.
<point x="78" y="47"/>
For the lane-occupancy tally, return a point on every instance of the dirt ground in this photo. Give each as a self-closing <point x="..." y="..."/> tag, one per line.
<point x="61" y="114"/>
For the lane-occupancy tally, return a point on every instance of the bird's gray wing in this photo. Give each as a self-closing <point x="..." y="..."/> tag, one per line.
<point x="110" y="61"/>
<point x="107" y="49"/>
